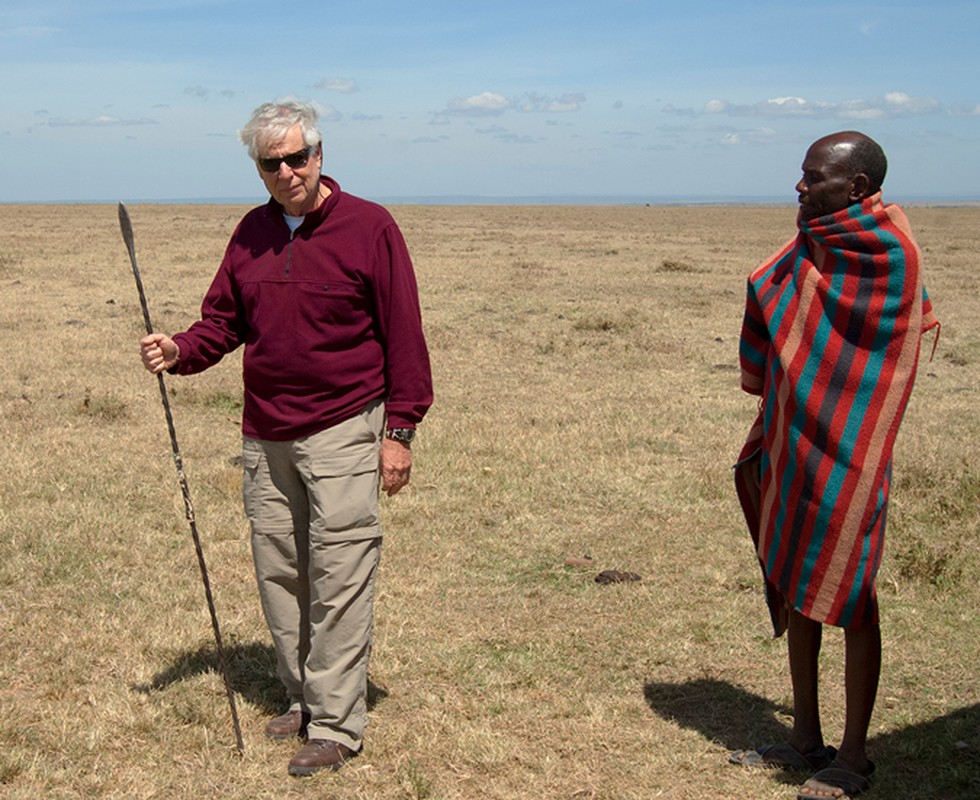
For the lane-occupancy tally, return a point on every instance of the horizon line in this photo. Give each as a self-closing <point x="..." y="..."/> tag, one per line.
<point x="475" y="199"/>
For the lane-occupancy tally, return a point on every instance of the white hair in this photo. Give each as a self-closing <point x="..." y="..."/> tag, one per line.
<point x="270" y="122"/>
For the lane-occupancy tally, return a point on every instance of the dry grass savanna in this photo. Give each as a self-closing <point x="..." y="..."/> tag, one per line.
<point x="587" y="403"/>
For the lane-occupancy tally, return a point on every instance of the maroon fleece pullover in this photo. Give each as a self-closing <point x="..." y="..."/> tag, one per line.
<point x="329" y="317"/>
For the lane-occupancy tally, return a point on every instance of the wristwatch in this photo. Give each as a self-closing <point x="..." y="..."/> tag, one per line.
<point x="403" y="435"/>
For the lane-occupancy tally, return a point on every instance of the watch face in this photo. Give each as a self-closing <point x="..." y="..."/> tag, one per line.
<point x="401" y="434"/>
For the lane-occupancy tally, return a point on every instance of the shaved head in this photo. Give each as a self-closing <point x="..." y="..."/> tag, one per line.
<point x="839" y="170"/>
<point x="860" y="154"/>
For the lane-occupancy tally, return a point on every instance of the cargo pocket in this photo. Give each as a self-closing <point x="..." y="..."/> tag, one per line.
<point x="252" y="458"/>
<point x="344" y="495"/>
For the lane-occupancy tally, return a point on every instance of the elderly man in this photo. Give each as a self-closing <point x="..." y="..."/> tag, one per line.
<point x="830" y="343"/>
<point x="318" y="286"/>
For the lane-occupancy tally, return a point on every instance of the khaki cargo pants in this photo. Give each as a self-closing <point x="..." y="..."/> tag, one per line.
<point x="316" y="541"/>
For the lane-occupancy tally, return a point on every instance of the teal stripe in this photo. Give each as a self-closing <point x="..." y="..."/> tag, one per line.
<point x="829" y="493"/>
<point x="752" y="354"/>
<point x="869" y="381"/>
<point x="856" y="413"/>
<point x="773" y="313"/>
<point x="786" y="295"/>
<point x="801" y="257"/>
<point x="801" y="392"/>
<point x="850" y="606"/>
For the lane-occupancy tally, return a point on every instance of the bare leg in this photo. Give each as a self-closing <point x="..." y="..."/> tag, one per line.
<point x="861" y="672"/>
<point x="804" y="639"/>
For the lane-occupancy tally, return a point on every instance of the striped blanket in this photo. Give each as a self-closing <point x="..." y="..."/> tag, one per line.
<point x="830" y="342"/>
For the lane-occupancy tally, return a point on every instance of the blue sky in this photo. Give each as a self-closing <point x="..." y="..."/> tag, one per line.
<point x="132" y="100"/>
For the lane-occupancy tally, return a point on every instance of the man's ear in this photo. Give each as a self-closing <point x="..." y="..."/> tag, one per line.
<point x="860" y="188"/>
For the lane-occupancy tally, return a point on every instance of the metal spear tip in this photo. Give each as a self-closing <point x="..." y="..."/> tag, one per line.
<point x="125" y="225"/>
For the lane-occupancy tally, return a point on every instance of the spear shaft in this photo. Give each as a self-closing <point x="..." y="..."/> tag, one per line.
<point x="127" y="234"/>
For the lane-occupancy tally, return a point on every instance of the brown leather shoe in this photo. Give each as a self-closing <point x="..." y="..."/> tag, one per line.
<point x="319" y="754"/>
<point x="286" y="726"/>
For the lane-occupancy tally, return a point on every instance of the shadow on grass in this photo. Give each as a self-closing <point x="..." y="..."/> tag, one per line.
<point x="251" y="672"/>
<point x="938" y="758"/>
<point x="719" y="711"/>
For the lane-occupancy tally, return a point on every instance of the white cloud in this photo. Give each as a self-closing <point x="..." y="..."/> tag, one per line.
<point x="327" y="113"/>
<point x="859" y="110"/>
<point x="495" y="104"/>
<point x="788" y="103"/>
<point x="790" y="106"/>
<point x="337" y="84"/>
<point x="912" y="105"/>
<point x="534" y="102"/>
<point x="892" y="104"/>
<point x="756" y="136"/>
<point x="566" y="103"/>
<point x="484" y="104"/>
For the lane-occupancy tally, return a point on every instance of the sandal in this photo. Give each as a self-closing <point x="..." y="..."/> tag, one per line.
<point x="784" y="756"/>
<point x="836" y="777"/>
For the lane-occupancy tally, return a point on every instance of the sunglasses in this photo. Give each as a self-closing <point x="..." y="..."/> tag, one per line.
<point x="295" y="160"/>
